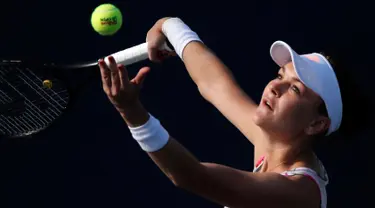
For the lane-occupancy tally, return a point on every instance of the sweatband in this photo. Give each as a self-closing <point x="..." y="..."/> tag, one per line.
<point x="178" y="34"/>
<point x="151" y="136"/>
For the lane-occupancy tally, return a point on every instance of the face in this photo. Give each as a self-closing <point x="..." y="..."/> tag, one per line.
<point x="288" y="108"/>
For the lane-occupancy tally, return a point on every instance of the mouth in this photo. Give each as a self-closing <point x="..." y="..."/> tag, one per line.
<point x="268" y="104"/>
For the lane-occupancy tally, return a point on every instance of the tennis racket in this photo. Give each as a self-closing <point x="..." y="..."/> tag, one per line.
<point x="33" y="95"/>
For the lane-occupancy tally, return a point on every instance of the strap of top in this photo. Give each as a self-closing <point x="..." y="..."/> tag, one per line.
<point x="320" y="181"/>
<point x="320" y="178"/>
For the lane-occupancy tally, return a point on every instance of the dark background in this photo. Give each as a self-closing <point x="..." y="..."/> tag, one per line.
<point x="88" y="159"/>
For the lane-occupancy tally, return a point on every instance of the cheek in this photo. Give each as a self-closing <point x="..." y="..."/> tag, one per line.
<point x="292" y="111"/>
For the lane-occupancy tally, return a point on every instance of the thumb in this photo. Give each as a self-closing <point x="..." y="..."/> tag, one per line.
<point x="155" y="41"/>
<point x="141" y="76"/>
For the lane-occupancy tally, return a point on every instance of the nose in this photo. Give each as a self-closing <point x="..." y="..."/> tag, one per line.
<point x="274" y="91"/>
<point x="278" y="88"/>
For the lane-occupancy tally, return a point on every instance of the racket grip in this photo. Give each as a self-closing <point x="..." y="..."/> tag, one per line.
<point x="134" y="54"/>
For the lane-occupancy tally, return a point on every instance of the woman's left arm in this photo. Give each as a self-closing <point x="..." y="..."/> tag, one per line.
<point x="218" y="183"/>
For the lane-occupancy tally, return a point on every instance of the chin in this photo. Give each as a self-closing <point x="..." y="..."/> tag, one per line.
<point x="256" y="120"/>
<point x="266" y="123"/>
<point x="260" y="121"/>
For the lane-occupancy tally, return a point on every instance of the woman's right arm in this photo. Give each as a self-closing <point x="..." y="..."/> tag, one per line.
<point x="218" y="86"/>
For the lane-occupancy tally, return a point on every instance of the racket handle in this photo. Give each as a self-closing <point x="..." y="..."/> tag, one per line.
<point x="133" y="54"/>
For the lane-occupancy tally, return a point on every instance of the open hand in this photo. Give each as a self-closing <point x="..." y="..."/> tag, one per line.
<point x="121" y="91"/>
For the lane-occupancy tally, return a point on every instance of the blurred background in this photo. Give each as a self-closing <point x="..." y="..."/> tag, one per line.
<point x="88" y="159"/>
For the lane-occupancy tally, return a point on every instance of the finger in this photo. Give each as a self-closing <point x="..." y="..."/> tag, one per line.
<point x="141" y="76"/>
<point x="160" y="55"/>
<point x="124" y="77"/>
<point x="164" y="54"/>
<point x="153" y="54"/>
<point x="115" y="77"/>
<point x="169" y="53"/>
<point x="156" y="40"/>
<point x="105" y="75"/>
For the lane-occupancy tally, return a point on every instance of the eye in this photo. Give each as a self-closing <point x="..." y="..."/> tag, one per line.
<point x="295" y="89"/>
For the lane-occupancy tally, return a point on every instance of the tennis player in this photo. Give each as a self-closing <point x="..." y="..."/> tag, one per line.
<point x="300" y="105"/>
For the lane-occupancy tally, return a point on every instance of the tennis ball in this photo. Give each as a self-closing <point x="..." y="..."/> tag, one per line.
<point x="47" y="84"/>
<point x="106" y="19"/>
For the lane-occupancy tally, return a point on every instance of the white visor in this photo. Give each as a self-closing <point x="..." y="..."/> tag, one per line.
<point x="316" y="73"/>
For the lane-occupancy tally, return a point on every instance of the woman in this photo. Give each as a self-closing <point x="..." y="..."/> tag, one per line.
<point x="303" y="103"/>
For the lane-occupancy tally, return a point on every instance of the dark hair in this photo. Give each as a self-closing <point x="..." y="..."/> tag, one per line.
<point x="353" y="98"/>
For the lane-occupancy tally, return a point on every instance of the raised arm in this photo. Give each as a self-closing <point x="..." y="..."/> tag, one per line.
<point x="214" y="80"/>
<point x="217" y="85"/>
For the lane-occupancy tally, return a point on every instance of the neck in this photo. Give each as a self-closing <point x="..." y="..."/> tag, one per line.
<point x="284" y="153"/>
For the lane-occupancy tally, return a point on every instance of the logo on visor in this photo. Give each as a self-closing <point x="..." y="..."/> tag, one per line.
<point x="314" y="58"/>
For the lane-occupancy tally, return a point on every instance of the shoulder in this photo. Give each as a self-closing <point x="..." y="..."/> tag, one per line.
<point x="237" y="188"/>
<point x="307" y="187"/>
<point x="296" y="190"/>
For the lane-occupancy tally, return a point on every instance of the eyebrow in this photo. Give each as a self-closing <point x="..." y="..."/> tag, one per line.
<point x="293" y="78"/>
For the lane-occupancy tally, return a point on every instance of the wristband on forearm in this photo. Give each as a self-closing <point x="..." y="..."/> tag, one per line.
<point x="178" y="34"/>
<point x="151" y="136"/>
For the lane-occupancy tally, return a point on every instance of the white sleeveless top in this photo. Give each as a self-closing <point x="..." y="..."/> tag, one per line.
<point x="321" y="178"/>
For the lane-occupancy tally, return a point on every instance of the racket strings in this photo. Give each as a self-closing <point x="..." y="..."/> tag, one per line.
<point x="35" y="84"/>
<point x="15" y="124"/>
<point x="27" y="106"/>
<point x="25" y="122"/>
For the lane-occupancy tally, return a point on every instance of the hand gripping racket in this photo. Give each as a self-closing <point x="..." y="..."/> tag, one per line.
<point x="33" y="95"/>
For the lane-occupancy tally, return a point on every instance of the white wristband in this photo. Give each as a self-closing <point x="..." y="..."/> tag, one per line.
<point x="151" y="136"/>
<point x="179" y="34"/>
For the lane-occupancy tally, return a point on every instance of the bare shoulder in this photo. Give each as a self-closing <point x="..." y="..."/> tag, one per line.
<point x="308" y="189"/>
<point x="237" y="188"/>
<point x="298" y="190"/>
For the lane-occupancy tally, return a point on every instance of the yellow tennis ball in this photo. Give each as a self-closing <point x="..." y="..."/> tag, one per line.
<point x="106" y="19"/>
<point x="47" y="84"/>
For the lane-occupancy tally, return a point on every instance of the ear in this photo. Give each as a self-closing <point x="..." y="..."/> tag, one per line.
<point x="318" y="126"/>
